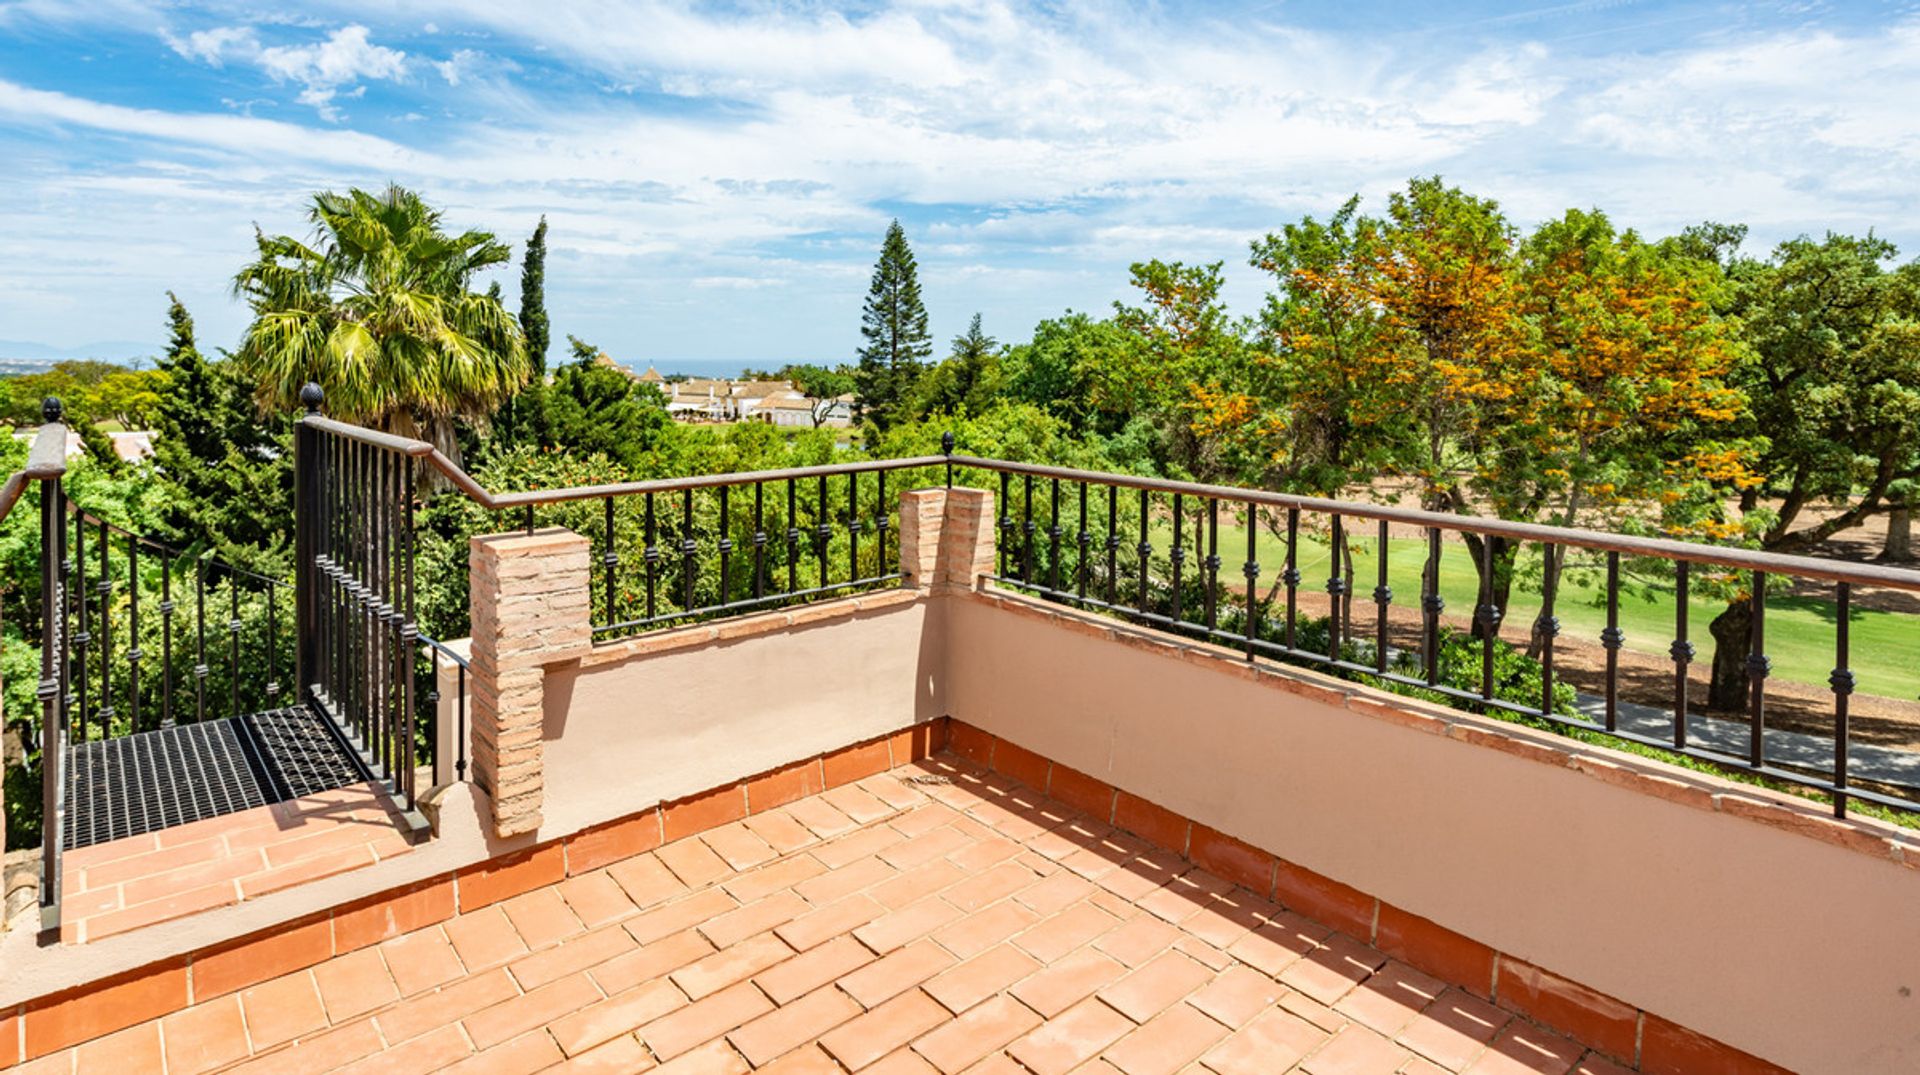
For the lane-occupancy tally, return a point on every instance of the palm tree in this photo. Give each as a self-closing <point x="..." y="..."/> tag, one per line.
<point x="378" y="310"/>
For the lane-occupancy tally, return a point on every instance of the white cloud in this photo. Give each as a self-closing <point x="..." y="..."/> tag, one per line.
<point x="1048" y="147"/>
<point x="323" y="69"/>
<point x="460" y="65"/>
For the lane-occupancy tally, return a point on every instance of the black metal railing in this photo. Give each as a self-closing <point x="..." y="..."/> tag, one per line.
<point x="156" y="636"/>
<point x="1123" y="545"/>
<point x="676" y="550"/>
<point x="1153" y="551"/>
<point x="360" y="652"/>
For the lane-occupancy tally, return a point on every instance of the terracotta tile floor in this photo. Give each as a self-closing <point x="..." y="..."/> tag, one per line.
<point x="929" y="919"/>
<point x="143" y="880"/>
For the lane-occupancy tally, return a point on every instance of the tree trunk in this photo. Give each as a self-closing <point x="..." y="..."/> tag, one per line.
<point x="1899" y="534"/>
<point x="1732" y="637"/>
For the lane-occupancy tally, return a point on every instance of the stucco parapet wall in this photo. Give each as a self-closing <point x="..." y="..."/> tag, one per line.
<point x="744" y="627"/>
<point x="1648" y="776"/>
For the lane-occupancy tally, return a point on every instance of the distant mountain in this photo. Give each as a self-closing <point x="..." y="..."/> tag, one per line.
<point x="106" y="350"/>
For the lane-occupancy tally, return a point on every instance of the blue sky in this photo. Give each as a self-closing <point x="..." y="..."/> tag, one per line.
<point x="717" y="177"/>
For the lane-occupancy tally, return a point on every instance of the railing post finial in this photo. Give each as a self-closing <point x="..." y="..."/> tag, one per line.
<point x="311" y="397"/>
<point x="51" y="409"/>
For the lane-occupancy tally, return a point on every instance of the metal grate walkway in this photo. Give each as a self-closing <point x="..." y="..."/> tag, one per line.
<point x="118" y="788"/>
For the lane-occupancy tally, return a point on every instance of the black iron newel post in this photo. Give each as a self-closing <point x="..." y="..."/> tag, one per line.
<point x="306" y="513"/>
<point x="51" y="693"/>
<point x="946" y="449"/>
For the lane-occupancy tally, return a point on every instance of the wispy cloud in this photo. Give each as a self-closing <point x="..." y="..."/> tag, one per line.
<point x="324" y="69"/>
<point x="717" y="177"/>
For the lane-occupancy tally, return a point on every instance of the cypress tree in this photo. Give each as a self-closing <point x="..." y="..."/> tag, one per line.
<point x="231" y="468"/>
<point x="533" y="299"/>
<point x="894" y="325"/>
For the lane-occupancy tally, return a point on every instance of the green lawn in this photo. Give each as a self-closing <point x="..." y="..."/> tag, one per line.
<point x="1799" y="630"/>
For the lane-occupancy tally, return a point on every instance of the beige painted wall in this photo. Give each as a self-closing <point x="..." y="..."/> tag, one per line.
<point x="1789" y="947"/>
<point x="621" y="736"/>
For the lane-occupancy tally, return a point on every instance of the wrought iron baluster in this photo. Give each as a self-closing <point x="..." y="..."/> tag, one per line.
<point x="409" y="632"/>
<point x="1382" y="599"/>
<point x="651" y="557"/>
<point x="1177" y="555"/>
<point x="822" y="532"/>
<point x="82" y="638"/>
<point x="1758" y="666"/>
<point x="135" y="654"/>
<point x="273" y="628"/>
<point x="1336" y="589"/>
<point x="106" y="712"/>
<point x="853" y="527"/>
<point x="759" y="541"/>
<point x="166" y="637"/>
<point x="1431" y="605"/>
<point x="1006" y="525"/>
<point x="1290" y="576"/>
<point x="610" y="560"/>
<point x="1213" y="564"/>
<point x="882" y="509"/>
<point x="460" y="728"/>
<point x="1548" y="625"/>
<point x="1026" y="530"/>
<point x="200" y="638"/>
<point x="433" y="702"/>
<point x="1084" y="541"/>
<point x="725" y="543"/>
<point x="1842" y="682"/>
<point x="1144" y="548"/>
<point x="1113" y="544"/>
<point x="1489" y="617"/>
<point x="793" y="538"/>
<point x="688" y="548"/>
<point x="1682" y="653"/>
<point x="1613" y="638"/>
<point x="1053" y="536"/>
<point x="1251" y="569"/>
<point x="529" y="518"/>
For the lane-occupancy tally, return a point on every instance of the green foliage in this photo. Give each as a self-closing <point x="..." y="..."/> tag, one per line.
<point x="894" y="325"/>
<point x="533" y="299"/>
<point x="227" y="469"/>
<point x="1835" y="382"/>
<point x="379" y="311"/>
<point x="1058" y="369"/>
<point x="90" y="391"/>
<point x="968" y="380"/>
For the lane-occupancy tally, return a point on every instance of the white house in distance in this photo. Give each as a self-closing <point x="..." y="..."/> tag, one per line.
<point x="719" y="399"/>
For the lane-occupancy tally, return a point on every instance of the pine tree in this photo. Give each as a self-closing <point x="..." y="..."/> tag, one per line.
<point x="894" y="324"/>
<point x="533" y="299"/>
<point x="231" y="468"/>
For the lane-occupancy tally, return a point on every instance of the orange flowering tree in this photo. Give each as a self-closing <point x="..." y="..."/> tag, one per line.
<point x="1188" y="368"/>
<point x="1625" y="420"/>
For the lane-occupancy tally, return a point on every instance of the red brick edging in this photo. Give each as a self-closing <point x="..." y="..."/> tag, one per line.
<point x="1637" y="1038"/>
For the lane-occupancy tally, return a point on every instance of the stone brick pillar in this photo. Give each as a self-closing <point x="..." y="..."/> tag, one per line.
<point x="946" y="537"/>
<point x="530" y="610"/>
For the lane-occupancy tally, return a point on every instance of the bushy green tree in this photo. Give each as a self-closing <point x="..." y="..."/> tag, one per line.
<point x="227" y="467"/>
<point x="1056" y="370"/>
<point x="970" y="378"/>
<point x="894" y="325"/>
<point x="594" y="407"/>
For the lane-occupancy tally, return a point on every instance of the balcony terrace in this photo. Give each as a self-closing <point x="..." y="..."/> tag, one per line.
<point x="916" y="786"/>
